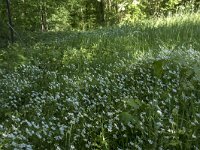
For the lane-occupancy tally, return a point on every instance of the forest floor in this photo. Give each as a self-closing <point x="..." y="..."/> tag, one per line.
<point x="129" y="87"/>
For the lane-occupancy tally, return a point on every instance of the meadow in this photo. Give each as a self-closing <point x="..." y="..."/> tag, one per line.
<point x="122" y="88"/>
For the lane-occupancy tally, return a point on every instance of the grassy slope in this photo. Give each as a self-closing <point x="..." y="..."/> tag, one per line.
<point x="121" y="87"/>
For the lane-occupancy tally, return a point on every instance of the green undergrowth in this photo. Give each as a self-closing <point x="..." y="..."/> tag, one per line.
<point x="128" y="87"/>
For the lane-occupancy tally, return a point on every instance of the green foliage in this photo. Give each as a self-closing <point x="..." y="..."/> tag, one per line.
<point x="128" y="87"/>
<point x="3" y="35"/>
<point x="88" y="14"/>
<point x="11" y="59"/>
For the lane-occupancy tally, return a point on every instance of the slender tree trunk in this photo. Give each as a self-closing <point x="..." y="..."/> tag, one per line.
<point x="43" y="13"/>
<point x="86" y="15"/>
<point x="10" y="25"/>
<point x="100" y="13"/>
<point x="109" y="5"/>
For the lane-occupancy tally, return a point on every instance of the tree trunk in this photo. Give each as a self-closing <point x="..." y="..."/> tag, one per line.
<point x="10" y="25"/>
<point x="100" y="13"/>
<point x="44" y="25"/>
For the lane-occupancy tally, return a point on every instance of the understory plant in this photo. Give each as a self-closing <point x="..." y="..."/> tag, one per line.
<point x="149" y="102"/>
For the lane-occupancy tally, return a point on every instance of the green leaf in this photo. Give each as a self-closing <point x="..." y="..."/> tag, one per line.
<point x="125" y="117"/>
<point x="158" y="68"/>
<point x="175" y="111"/>
<point x="135" y="103"/>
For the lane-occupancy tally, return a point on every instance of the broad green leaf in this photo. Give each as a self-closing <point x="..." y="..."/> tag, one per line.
<point x="158" y="67"/>
<point x="125" y="117"/>
<point x="135" y="103"/>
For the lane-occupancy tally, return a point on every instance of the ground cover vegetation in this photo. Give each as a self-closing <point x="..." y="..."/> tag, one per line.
<point x="135" y="85"/>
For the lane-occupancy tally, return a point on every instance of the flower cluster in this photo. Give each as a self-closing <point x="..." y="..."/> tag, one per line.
<point x="102" y="104"/>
